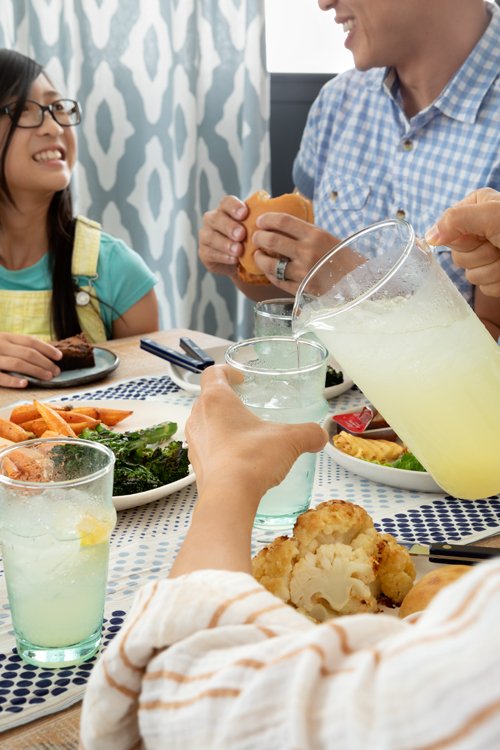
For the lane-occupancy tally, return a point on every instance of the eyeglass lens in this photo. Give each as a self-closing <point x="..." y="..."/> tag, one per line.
<point x="64" y="111"/>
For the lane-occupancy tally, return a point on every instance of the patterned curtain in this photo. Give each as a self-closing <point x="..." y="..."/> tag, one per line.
<point x="176" y="114"/>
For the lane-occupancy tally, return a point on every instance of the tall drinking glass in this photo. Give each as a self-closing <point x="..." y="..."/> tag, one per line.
<point x="56" y="516"/>
<point x="394" y="320"/>
<point x="273" y="317"/>
<point x="283" y="382"/>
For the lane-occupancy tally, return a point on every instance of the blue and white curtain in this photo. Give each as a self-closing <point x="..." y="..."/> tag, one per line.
<point x="176" y="113"/>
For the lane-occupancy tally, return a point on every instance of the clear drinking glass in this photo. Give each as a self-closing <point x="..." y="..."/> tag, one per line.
<point x="273" y="317"/>
<point x="56" y="517"/>
<point x="284" y="380"/>
<point x="393" y="319"/>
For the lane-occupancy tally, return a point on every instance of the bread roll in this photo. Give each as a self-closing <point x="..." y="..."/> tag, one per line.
<point x="260" y="203"/>
<point x="428" y="586"/>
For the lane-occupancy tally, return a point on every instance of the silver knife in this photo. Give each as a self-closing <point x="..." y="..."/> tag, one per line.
<point x="453" y="554"/>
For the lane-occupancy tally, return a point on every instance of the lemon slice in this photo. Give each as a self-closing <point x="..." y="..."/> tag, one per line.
<point x="92" y="531"/>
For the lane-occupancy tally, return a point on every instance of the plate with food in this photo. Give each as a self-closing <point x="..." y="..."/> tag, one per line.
<point x="378" y="459"/>
<point x="82" y="362"/>
<point x="373" y="571"/>
<point x="121" y="424"/>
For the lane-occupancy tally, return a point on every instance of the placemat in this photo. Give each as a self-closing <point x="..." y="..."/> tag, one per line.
<point x="147" y="538"/>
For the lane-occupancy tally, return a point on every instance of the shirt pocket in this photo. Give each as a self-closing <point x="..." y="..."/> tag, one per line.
<point x="341" y="194"/>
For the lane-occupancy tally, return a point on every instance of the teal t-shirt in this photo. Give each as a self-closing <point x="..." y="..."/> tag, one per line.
<point x="123" y="279"/>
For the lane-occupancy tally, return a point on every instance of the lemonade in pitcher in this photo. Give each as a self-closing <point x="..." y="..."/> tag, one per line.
<point x="400" y="328"/>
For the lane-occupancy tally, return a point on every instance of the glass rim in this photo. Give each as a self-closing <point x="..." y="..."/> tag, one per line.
<point x="258" y="307"/>
<point x="344" y="243"/>
<point x="21" y="484"/>
<point x="278" y="370"/>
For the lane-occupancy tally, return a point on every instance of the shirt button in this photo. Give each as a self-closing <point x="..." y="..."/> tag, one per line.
<point x="408" y="145"/>
<point x="400" y="213"/>
<point x="334" y="195"/>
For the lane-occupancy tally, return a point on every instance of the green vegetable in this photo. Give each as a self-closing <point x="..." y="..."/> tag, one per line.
<point x="333" y="377"/>
<point x="409" y="462"/>
<point x="143" y="461"/>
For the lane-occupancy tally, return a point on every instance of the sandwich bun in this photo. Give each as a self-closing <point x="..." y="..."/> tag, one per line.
<point x="261" y="203"/>
<point x="428" y="586"/>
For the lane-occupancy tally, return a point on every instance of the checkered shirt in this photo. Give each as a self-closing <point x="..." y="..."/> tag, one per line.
<point x="362" y="160"/>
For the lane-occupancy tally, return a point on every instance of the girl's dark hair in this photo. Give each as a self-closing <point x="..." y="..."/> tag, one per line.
<point x="17" y="73"/>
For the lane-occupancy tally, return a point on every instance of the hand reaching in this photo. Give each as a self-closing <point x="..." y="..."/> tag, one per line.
<point x="471" y="229"/>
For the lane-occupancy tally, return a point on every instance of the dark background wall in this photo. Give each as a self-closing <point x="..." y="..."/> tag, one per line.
<point x="291" y="96"/>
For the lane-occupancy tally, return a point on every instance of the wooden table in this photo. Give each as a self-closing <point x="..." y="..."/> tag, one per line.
<point x="60" y="731"/>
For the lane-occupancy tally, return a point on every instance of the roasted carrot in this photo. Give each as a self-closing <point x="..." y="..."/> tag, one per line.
<point x="12" y="431"/>
<point x="54" y="420"/>
<point x="110" y="417"/>
<point x="23" y="413"/>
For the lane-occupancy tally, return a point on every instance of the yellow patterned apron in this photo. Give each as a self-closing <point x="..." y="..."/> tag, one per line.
<point x="29" y="312"/>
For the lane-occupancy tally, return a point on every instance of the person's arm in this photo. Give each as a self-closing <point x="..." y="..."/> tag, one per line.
<point x="26" y="355"/>
<point x="236" y="458"/>
<point x="140" y="318"/>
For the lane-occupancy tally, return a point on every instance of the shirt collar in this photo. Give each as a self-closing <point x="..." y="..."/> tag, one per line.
<point x="463" y="95"/>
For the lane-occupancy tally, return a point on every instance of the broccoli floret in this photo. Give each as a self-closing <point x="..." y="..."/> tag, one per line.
<point x="170" y="463"/>
<point x="129" y="479"/>
<point x="142" y="461"/>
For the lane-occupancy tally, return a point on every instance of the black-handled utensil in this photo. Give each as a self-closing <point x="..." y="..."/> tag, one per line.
<point x="453" y="554"/>
<point x="194" y="350"/>
<point x="173" y="356"/>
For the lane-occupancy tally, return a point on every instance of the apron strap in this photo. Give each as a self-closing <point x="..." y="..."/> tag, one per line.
<point x="84" y="263"/>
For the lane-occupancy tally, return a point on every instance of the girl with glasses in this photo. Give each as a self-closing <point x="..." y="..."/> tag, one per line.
<point x="59" y="274"/>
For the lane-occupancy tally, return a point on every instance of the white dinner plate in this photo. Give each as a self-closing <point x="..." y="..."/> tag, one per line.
<point x="145" y="414"/>
<point x="420" y="481"/>
<point x="190" y="381"/>
<point x="105" y="362"/>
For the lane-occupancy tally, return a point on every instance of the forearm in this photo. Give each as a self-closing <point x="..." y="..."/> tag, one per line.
<point x="220" y="533"/>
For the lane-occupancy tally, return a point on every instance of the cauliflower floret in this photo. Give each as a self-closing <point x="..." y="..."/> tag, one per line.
<point x="335" y="580"/>
<point x="331" y="521"/>
<point x="336" y="563"/>
<point x="274" y="564"/>
<point x="396" y="572"/>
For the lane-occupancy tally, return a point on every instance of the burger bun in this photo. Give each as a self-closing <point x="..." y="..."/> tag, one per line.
<point x="418" y="598"/>
<point x="260" y="203"/>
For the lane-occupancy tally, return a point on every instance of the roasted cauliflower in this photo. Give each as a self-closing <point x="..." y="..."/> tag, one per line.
<point x="336" y="563"/>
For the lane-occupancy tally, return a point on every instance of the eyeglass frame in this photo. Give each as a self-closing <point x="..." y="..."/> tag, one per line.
<point x="43" y="108"/>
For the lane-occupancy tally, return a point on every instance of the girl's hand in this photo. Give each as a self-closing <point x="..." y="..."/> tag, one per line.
<point x="26" y="355"/>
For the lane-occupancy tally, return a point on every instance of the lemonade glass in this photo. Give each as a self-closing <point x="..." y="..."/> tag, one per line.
<point x="56" y="516"/>
<point x="273" y="317"/>
<point x="394" y="320"/>
<point x="283" y="382"/>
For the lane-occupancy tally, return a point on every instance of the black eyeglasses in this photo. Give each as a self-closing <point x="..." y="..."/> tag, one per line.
<point x="66" y="112"/>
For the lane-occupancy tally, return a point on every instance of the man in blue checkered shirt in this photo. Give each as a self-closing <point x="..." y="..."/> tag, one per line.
<point x="412" y="130"/>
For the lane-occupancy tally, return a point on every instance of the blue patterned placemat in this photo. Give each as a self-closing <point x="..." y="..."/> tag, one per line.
<point x="146" y="540"/>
